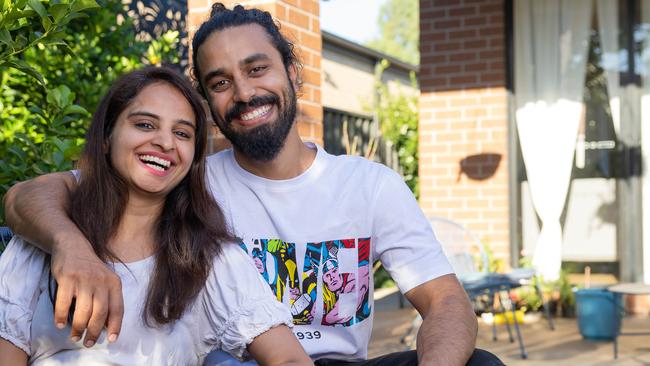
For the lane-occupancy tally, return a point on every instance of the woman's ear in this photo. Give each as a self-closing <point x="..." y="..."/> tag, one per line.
<point x="106" y="146"/>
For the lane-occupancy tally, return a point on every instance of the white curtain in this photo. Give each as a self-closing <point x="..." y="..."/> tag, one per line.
<point x="607" y="11"/>
<point x="551" y="45"/>
<point x="645" y="137"/>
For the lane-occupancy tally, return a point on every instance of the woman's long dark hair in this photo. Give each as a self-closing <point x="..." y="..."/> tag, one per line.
<point x="191" y="226"/>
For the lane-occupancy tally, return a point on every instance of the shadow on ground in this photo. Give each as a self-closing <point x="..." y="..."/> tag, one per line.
<point x="562" y="347"/>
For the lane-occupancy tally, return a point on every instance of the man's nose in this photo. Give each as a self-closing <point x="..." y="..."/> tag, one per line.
<point x="244" y="91"/>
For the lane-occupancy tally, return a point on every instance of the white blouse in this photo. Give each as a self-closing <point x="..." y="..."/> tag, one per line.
<point x="235" y="306"/>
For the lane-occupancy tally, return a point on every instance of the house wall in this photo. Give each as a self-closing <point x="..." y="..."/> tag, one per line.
<point x="348" y="83"/>
<point x="349" y="80"/>
<point x="463" y="117"/>
<point x="300" y="23"/>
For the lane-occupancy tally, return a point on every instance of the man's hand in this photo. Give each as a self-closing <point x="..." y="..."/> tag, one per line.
<point x="37" y="210"/>
<point x="95" y="288"/>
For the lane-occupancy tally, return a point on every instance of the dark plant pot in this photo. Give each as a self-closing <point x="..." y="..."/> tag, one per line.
<point x="568" y="311"/>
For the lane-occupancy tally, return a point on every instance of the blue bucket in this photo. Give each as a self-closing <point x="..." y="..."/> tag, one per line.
<point x="599" y="313"/>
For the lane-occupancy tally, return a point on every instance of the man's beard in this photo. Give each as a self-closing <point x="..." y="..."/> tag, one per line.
<point x="261" y="143"/>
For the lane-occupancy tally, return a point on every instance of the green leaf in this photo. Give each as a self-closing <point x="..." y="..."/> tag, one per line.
<point x="37" y="110"/>
<point x="20" y="41"/>
<point x="60" y="144"/>
<point x="27" y="69"/>
<point x="58" y="11"/>
<point x="74" y="109"/>
<point x="170" y="36"/>
<point x="38" y="8"/>
<point x="47" y="23"/>
<point x="61" y="96"/>
<point x="5" y="37"/>
<point x="37" y="169"/>
<point x="17" y="151"/>
<point x="73" y="152"/>
<point x="54" y="97"/>
<point x="80" y="5"/>
<point x="71" y="16"/>
<point x="56" y="34"/>
<point x="58" y="159"/>
<point x="16" y="15"/>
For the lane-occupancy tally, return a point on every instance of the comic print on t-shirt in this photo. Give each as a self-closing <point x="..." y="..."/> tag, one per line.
<point x="340" y="267"/>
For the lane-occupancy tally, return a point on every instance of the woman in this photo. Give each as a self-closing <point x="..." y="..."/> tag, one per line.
<point x="142" y="202"/>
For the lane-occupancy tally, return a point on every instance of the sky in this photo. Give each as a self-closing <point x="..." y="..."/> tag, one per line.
<point x="355" y="20"/>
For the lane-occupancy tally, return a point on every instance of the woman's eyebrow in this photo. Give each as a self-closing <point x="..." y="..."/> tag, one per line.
<point x="187" y="123"/>
<point x="143" y="113"/>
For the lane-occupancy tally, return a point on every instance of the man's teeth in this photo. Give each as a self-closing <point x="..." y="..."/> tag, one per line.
<point x="155" y="162"/>
<point x="255" y="113"/>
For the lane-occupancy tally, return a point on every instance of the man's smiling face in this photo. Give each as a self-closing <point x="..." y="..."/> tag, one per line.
<point x="251" y="94"/>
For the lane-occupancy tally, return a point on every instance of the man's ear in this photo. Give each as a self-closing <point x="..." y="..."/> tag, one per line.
<point x="294" y="76"/>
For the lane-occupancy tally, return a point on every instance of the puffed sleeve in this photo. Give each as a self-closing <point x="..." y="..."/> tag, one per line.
<point x="238" y="304"/>
<point x="21" y="269"/>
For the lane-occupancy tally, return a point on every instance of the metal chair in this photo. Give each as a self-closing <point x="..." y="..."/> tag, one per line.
<point x="464" y="250"/>
<point x="527" y="277"/>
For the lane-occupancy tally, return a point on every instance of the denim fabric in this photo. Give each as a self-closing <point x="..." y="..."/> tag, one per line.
<point x="410" y="358"/>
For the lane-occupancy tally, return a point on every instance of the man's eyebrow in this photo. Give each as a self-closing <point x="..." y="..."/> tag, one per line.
<point x="254" y="58"/>
<point x="247" y="61"/>
<point x="212" y="74"/>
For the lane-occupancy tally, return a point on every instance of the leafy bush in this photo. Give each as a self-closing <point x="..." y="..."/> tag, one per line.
<point x="397" y="113"/>
<point x="398" y="117"/>
<point x="57" y="60"/>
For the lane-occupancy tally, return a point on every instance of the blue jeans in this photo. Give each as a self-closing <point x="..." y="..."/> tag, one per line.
<point x="407" y="358"/>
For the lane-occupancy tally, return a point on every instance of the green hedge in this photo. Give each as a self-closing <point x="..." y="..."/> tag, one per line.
<point x="57" y="59"/>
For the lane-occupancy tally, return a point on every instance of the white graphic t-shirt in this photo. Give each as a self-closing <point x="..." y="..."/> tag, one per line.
<point x="314" y="239"/>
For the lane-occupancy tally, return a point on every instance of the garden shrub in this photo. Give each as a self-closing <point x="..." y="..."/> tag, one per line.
<point x="57" y="58"/>
<point x="397" y="113"/>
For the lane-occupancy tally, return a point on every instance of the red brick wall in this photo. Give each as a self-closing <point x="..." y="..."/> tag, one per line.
<point x="300" y="22"/>
<point x="463" y="116"/>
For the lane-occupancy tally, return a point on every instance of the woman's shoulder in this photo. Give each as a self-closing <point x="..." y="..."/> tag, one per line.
<point x="231" y="257"/>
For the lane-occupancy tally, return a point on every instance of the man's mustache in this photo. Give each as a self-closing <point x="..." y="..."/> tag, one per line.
<point x="241" y="107"/>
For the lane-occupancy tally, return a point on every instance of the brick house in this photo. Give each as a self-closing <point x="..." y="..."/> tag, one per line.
<point x="475" y="57"/>
<point x="482" y="63"/>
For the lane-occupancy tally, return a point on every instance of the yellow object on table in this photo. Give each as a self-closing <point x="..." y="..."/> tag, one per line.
<point x="501" y="318"/>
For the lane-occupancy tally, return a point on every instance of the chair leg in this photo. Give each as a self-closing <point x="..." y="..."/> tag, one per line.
<point x="547" y="311"/>
<point x="502" y="310"/>
<point x="411" y="333"/>
<point x="491" y="296"/>
<point x="522" y="348"/>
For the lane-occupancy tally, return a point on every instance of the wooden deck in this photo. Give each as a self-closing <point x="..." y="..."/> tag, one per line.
<point x="562" y="347"/>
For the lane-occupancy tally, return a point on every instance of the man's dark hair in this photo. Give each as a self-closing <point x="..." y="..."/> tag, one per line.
<point x="222" y="18"/>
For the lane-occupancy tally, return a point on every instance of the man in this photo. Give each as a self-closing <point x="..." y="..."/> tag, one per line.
<point x="309" y="210"/>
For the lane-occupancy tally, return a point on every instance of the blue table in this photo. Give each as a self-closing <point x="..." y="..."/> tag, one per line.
<point x="632" y="289"/>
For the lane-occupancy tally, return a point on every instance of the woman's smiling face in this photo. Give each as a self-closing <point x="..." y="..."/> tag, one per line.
<point x="153" y="142"/>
